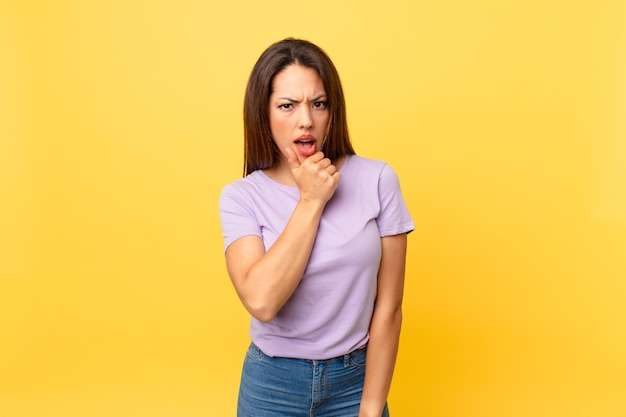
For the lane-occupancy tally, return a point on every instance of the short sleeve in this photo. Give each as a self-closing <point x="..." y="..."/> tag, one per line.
<point x="394" y="217"/>
<point x="236" y="215"/>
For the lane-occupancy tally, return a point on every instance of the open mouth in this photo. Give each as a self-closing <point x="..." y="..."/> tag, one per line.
<point x="306" y="145"/>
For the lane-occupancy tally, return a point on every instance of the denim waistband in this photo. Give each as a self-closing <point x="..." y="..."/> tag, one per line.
<point x="344" y="358"/>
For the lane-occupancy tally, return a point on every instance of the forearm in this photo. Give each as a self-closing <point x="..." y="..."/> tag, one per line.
<point x="272" y="279"/>
<point x="382" y="350"/>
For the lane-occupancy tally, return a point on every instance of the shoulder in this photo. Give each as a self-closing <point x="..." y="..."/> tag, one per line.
<point x="369" y="167"/>
<point x="253" y="180"/>
<point x="361" y="162"/>
<point x="243" y="188"/>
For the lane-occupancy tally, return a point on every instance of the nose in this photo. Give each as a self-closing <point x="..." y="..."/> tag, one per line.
<point x="306" y="118"/>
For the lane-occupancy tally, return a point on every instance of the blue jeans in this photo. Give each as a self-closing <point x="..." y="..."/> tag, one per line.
<point x="285" y="387"/>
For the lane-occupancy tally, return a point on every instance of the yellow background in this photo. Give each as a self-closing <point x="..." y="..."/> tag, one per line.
<point x="120" y="122"/>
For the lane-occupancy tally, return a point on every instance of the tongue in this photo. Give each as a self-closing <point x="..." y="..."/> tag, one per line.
<point x="306" y="148"/>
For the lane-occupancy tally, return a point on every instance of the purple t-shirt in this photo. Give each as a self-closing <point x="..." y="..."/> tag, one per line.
<point x="329" y="313"/>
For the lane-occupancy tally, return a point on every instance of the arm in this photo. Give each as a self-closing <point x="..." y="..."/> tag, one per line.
<point x="382" y="347"/>
<point x="263" y="280"/>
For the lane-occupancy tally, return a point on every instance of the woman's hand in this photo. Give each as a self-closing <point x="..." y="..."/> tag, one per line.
<point x="316" y="177"/>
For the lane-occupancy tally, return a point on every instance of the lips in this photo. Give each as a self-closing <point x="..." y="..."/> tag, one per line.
<point x="306" y="145"/>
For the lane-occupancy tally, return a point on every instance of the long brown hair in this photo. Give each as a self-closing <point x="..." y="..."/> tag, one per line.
<point x="260" y="151"/>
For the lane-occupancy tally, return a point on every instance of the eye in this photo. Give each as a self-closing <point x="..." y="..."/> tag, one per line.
<point x="285" y="106"/>
<point x="320" y="104"/>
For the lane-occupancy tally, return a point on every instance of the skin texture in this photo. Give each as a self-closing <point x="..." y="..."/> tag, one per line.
<point x="264" y="281"/>
<point x="382" y="348"/>
<point x="298" y="109"/>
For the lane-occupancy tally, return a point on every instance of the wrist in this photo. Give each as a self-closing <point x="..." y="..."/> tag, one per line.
<point x="312" y="204"/>
<point x="370" y="410"/>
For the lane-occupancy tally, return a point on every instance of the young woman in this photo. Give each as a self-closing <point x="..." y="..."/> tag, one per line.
<point x="315" y="243"/>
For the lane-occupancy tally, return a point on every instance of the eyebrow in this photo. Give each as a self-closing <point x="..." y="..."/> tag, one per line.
<point x="293" y="100"/>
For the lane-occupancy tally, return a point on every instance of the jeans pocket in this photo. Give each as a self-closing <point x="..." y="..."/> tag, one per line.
<point x="357" y="358"/>
<point x="254" y="352"/>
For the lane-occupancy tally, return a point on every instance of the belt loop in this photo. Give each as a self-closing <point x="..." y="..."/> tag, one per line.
<point x="346" y="360"/>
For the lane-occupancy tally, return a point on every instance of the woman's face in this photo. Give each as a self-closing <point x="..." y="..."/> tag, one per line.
<point x="298" y="110"/>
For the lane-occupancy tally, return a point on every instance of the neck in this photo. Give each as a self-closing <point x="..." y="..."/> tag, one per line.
<point x="281" y="173"/>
